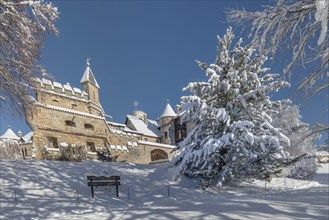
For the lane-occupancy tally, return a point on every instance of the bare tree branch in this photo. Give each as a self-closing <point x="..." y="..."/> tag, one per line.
<point x="23" y="27"/>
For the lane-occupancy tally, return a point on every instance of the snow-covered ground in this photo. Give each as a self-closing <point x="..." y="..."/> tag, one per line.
<point x="58" y="190"/>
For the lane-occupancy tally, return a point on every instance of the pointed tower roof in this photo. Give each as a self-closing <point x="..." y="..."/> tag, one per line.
<point x="9" y="134"/>
<point x="168" y="112"/>
<point x="88" y="76"/>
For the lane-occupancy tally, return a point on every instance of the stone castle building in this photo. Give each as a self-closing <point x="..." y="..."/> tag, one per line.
<point x="64" y="116"/>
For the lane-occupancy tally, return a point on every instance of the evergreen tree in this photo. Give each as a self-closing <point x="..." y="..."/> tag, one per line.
<point x="288" y="119"/>
<point x="234" y="139"/>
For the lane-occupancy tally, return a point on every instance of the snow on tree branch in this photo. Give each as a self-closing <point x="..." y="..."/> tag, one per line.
<point x="292" y="25"/>
<point x="234" y="138"/>
<point x="23" y="27"/>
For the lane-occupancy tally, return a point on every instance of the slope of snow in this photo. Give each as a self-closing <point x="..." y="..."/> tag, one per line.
<point x="58" y="190"/>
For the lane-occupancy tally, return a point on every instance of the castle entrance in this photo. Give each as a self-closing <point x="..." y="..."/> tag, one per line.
<point x="158" y="154"/>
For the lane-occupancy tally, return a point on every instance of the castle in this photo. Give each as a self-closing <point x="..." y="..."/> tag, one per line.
<point x="63" y="116"/>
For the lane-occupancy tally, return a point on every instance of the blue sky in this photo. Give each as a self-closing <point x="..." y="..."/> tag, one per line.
<point x="146" y="51"/>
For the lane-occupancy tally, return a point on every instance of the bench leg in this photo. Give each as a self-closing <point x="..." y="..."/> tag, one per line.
<point x="92" y="191"/>
<point x="117" y="189"/>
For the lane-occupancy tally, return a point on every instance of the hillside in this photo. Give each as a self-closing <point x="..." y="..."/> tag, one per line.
<point x="58" y="190"/>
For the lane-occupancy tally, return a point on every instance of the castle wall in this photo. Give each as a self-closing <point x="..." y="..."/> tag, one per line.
<point x="140" y="154"/>
<point x="65" y="116"/>
<point x="51" y="123"/>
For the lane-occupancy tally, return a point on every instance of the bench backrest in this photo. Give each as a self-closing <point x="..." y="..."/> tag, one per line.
<point x="91" y="178"/>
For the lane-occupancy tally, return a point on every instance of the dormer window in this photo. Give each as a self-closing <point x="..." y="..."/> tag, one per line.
<point x="89" y="126"/>
<point x="70" y="123"/>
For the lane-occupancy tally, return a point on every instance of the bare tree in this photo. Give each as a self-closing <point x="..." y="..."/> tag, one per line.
<point x="296" y="26"/>
<point x="23" y="27"/>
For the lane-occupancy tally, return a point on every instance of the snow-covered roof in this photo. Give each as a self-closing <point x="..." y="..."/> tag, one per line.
<point x="168" y="112"/>
<point x="186" y="106"/>
<point x="148" y="143"/>
<point x="9" y="134"/>
<point x="139" y="126"/>
<point x="153" y="126"/>
<point x="28" y="136"/>
<point x="115" y="124"/>
<point x="88" y="76"/>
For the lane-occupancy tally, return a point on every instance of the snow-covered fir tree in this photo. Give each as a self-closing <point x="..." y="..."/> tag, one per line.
<point x="234" y="139"/>
<point x="288" y="119"/>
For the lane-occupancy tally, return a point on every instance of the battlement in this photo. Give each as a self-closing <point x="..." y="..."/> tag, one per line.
<point x="66" y="89"/>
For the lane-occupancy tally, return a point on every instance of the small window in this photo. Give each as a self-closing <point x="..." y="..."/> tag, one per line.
<point x="145" y="139"/>
<point x="171" y="132"/>
<point x="52" y="142"/>
<point x="55" y="100"/>
<point x="166" y="135"/>
<point x="91" y="146"/>
<point x="70" y="123"/>
<point x="25" y="152"/>
<point x="89" y="126"/>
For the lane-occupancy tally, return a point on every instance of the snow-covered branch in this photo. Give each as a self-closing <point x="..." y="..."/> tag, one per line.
<point x="293" y="26"/>
<point x="23" y="27"/>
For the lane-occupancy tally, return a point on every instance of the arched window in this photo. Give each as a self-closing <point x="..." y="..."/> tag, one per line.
<point x="158" y="154"/>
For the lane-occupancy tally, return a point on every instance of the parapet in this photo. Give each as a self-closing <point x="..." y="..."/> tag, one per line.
<point x="64" y="90"/>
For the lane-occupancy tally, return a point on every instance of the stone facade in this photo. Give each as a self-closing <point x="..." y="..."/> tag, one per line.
<point x="64" y="116"/>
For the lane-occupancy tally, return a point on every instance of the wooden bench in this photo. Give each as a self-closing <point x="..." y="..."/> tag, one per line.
<point x="104" y="181"/>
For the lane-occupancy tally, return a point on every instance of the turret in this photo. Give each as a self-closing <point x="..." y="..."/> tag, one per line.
<point x="89" y="84"/>
<point x="167" y="125"/>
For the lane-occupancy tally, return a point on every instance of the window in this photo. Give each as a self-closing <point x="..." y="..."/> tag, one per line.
<point x="52" y="142"/>
<point x="166" y="134"/>
<point x="55" y="100"/>
<point x="145" y="139"/>
<point x="70" y="123"/>
<point x="89" y="126"/>
<point x="25" y="152"/>
<point x="171" y="132"/>
<point x="91" y="146"/>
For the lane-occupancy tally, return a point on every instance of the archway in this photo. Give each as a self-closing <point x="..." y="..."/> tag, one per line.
<point x="158" y="154"/>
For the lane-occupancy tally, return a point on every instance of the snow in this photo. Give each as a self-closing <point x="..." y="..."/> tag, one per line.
<point x="321" y="15"/>
<point x="139" y="126"/>
<point x="148" y="143"/>
<point x="28" y="136"/>
<point x="68" y="110"/>
<point x="168" y="112"/>
<point x="9" y="134"/>
<point x="88" y="76"/>
<point x="58" y="190"/>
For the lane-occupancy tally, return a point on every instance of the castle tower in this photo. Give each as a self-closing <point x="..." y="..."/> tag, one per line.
<point x="167" y="125"/>
<point x="89" y="84"/>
